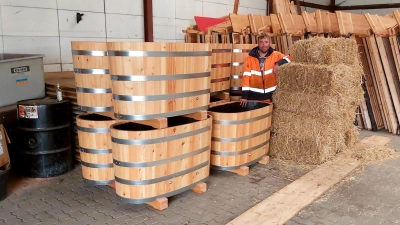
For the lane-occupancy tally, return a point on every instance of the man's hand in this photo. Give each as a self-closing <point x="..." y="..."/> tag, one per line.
<point x="243" y="102"/>
<point x="275" y="69"/>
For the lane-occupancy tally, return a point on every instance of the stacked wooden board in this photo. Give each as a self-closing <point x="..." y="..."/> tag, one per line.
<point x="377" y="37"/>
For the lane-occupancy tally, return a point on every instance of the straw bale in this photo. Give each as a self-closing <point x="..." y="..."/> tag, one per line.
<point x="315" y="101"/>
<point x="308" y="139"/>
<point x="304" y="151"/>
<point x="318" y="105"/>
<point x="301" y="126"/>
<point x="333" y="80"/>
<point x="319" y="50"/>
<point x="351" y="136"/>
<point x="370" y="154"/>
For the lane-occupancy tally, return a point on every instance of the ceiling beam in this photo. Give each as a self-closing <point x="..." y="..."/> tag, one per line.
<point x="316" y="6"/>
<point x="375" y="6"/>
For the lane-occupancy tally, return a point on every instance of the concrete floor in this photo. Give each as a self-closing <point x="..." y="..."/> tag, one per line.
<point x="368" y="196"/>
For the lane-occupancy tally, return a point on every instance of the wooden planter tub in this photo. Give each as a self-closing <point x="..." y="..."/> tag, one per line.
<point x="240" y="135"/>
<point x="152" y="164"/>
<point x="92" y="76"/>
<point x="239" y="54"/>
<point x="220" y="68"/>
<point x="154" y="80"/>
<point x="96" y="149"/>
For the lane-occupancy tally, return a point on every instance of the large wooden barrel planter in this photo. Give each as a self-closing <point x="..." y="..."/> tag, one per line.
<point x="239" y="54"/>
<point x="153" y="80"/>
<point x="240" y="135"/>
<point x="92" y="76"/>
<point x="154" y="163"/>
<point x="96" y="149"/>
<point x="220" y="67"/>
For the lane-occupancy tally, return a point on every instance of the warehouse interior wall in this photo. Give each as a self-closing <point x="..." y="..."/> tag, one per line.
<point x="48" y="26"/>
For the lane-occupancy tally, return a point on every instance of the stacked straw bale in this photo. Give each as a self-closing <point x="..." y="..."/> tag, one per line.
<point x="316" y="100"/>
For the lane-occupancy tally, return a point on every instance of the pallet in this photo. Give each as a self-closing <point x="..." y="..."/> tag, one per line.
<point x="162" y="203"/>
<point x="225" y="37"/>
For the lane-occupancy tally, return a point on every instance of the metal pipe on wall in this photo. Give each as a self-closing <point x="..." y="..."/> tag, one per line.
<point x="148" y="20"/>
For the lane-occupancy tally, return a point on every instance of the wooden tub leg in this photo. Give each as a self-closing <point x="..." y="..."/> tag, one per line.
<point x="200" y="188"/>
<point x="242" y="171"/>
<point x="264" y="160"/>
<point x="159" y="203"/>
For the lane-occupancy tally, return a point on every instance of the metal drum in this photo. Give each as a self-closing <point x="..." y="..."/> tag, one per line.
<point x="4" y="174"/>
<point x="44" y="143"/>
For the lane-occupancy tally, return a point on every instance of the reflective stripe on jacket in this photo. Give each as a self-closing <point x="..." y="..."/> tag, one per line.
<point x="254" y="85"/>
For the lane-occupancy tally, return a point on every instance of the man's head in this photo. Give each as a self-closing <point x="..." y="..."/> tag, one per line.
<point x="263" y="42"/>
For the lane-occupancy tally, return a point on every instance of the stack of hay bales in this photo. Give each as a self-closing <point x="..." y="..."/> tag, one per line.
<point x="316" y="101"/>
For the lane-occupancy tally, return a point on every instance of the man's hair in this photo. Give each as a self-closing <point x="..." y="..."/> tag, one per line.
<point x="264" y="35"/>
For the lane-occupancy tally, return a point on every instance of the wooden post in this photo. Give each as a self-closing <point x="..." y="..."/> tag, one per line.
<point x="298" y="7"/>
<point x="236" y="7"/>
<point x="270" y="7"/>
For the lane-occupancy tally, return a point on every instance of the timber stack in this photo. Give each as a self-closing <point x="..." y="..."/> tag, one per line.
<point x="377" y="39"/>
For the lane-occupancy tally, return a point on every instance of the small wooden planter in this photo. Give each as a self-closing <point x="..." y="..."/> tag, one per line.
<point x="95" y="145"/>
<point x="152" y="164"/>
<point x="240" y="135"/>
<point x="92" y="76"/>
<point x="220" y="68"/>
<point x="155" y="80"/>
<point x="239" y="55"/>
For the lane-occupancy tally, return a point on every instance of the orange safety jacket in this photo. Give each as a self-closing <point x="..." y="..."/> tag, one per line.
<point x="254" y="85"/>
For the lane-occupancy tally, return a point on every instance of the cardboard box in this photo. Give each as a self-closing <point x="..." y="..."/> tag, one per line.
<point x="4" y="140"/>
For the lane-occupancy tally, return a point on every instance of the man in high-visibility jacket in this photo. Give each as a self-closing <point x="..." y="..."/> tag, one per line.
<point x="259" y="71"/>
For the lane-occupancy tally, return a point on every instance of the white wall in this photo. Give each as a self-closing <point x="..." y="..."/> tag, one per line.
<point x="48" y="26"/>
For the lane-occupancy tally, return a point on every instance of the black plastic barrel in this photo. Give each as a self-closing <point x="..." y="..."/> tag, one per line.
<point x="4" y="173"/>
<point x="44" y="145"/>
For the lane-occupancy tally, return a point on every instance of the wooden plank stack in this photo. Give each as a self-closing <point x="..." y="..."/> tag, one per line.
<point x="378" y="43"/>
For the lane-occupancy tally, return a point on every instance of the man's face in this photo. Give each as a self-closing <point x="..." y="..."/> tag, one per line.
<point x="263" y="45"/>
